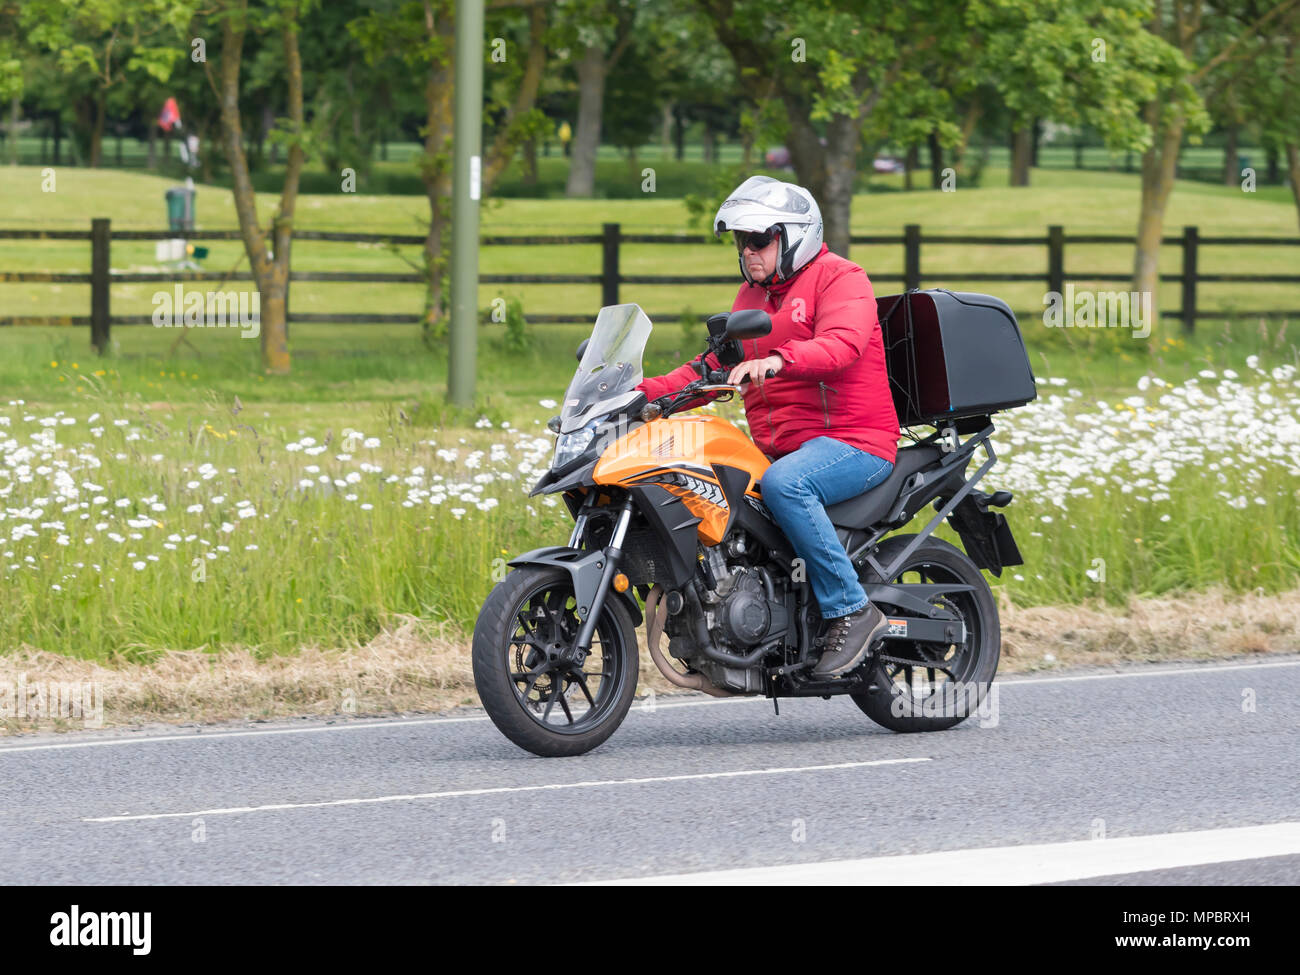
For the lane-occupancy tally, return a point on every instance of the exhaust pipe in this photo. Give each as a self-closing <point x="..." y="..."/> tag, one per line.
<point x="656" y="613"/>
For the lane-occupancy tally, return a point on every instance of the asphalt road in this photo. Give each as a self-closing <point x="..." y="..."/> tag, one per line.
<point x="1053" y="787"/>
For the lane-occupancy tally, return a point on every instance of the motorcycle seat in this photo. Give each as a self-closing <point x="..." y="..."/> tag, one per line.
<point x="873" y="505"/>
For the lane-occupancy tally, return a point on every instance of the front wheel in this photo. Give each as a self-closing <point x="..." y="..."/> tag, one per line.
<point x="931" y="687"/>
<point x="537" y="691"/>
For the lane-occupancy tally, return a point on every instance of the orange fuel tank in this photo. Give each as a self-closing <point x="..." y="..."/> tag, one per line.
<point x="677" y="453"/>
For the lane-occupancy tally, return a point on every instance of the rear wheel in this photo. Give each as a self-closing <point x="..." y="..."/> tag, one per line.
<point x="541" y="694"/>
<point x="927" y="686"/>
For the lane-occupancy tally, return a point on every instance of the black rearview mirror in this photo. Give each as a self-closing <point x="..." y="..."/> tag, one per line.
<point x="717" y="324"/>
<point x="582" y="348"/>
<point x="749" y="323"/>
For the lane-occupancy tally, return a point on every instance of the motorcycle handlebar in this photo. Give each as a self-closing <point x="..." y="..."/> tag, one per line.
<point x="720" y="376"/>
<point x="708" y="378"/>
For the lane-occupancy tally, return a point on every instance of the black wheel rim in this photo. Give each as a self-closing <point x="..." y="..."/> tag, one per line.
<point x="929" y="673"/>
<point x="564" y="692"/>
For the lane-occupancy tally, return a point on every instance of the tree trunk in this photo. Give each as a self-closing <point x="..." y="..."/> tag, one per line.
<point x="973" y="113"/>
<point x="936" y="161"/>
<point x="1159" y="164"/>
<point x="679" y="134"/>
<point x="591" y="97"/>
<point x="97" y="132"/>
<point x="509" y="136"/>
<point x="666" y="130"/>
<point x="1230" y="172"/>
<point x="836" y="201"/>
<point x="261" y="131"/>
<point x="530" y="161"/>
<point x="1293" y="164"/>
<point x="1022" y="143"/>
<point x="270" y="271"/>
<point x="435" y="171"/>
<point x="1078" y="154"/>
<point x="205" y="151"/>
<point x="15" y="106"/>
<point x="1271" y="153"/>
<point x="710" y="146"/>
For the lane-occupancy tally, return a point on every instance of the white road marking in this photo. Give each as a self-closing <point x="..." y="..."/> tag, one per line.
<point x="550" y="787"/>
<point x="637" y="708"/>
<point x="1168" y="672"/>
<point x="1016" y="865"/>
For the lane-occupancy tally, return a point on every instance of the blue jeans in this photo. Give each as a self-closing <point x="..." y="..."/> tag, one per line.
<point x="797" y="488"/>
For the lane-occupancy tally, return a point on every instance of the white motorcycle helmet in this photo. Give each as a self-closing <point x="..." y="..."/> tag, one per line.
<point x="762" y="202"/>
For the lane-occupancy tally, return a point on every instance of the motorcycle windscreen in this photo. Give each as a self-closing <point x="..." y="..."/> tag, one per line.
<point x="610" y="368"/>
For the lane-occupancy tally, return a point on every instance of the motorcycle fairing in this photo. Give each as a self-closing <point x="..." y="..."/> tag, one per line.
<point x="683" y="455"/>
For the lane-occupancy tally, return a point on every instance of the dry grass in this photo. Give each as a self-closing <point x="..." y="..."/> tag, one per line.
<point x="1205" y="625"/>
<point x="421" y="667"/>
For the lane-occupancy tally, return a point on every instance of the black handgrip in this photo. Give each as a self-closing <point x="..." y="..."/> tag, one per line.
<point x="718" y="376"/>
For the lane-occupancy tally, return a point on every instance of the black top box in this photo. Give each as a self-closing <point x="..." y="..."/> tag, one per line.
<point x="953" y="354"/>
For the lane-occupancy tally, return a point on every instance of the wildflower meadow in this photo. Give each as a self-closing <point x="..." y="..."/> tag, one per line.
<point x="126" y="533"/>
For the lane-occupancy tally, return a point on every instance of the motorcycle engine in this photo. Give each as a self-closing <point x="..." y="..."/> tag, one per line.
<point x="741" y="612"/>
<point x="743" y="618"/>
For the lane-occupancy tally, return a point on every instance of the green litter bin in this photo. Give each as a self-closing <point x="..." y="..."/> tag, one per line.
<point x="180" y="199"/>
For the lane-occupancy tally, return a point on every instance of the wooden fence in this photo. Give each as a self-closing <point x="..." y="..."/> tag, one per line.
<point x="611" y="239"/>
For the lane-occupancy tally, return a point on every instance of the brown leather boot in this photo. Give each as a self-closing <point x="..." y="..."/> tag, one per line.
<point x="848" y="639"/>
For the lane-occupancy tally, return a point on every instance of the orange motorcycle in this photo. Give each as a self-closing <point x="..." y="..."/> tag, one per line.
<point x="669" y="508"/>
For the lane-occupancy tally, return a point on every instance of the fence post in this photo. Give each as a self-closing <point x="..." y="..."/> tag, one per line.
<point x="609" y="266"/>
<point x="1056" y="259"/>
<point x="1190" y="236"/>
<point x="99" y="265"/>
<point x="911" y="256"/>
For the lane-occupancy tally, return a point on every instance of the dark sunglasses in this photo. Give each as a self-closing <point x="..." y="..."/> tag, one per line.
<point x="755" y="240"/>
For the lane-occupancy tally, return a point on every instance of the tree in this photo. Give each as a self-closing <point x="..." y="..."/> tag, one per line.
<point x="832" y="63"/>
<point x="1206" y="39"/>
<point x="420" y="35"/>
<point x="100" y="44"/>
<point x="11" y="72"/>
<point x="268" y="251"/>
<point x="1268" y="85"/>
<point x="601" y="30"/>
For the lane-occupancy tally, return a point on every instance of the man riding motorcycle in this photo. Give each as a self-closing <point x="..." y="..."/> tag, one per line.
<point x="825" y="416"/>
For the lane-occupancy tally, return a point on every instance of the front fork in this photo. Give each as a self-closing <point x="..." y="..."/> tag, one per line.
<point x="613" y="557"/>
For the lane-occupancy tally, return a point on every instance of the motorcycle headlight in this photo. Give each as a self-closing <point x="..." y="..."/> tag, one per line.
<point x="570" y="446"/>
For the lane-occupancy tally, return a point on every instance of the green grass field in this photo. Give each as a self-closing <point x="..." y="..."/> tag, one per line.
<point x="326" y="569"/>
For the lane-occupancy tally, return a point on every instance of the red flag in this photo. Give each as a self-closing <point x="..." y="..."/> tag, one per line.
<point x="170" y="115"/>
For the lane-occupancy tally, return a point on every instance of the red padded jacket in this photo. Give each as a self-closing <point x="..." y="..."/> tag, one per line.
<point x="834" y="382"/>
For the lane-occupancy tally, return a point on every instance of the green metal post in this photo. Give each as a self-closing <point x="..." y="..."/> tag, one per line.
<point x="466" y="182"/>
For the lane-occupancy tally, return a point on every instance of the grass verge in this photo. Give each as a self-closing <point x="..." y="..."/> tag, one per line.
<point x="416" y="666"/>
